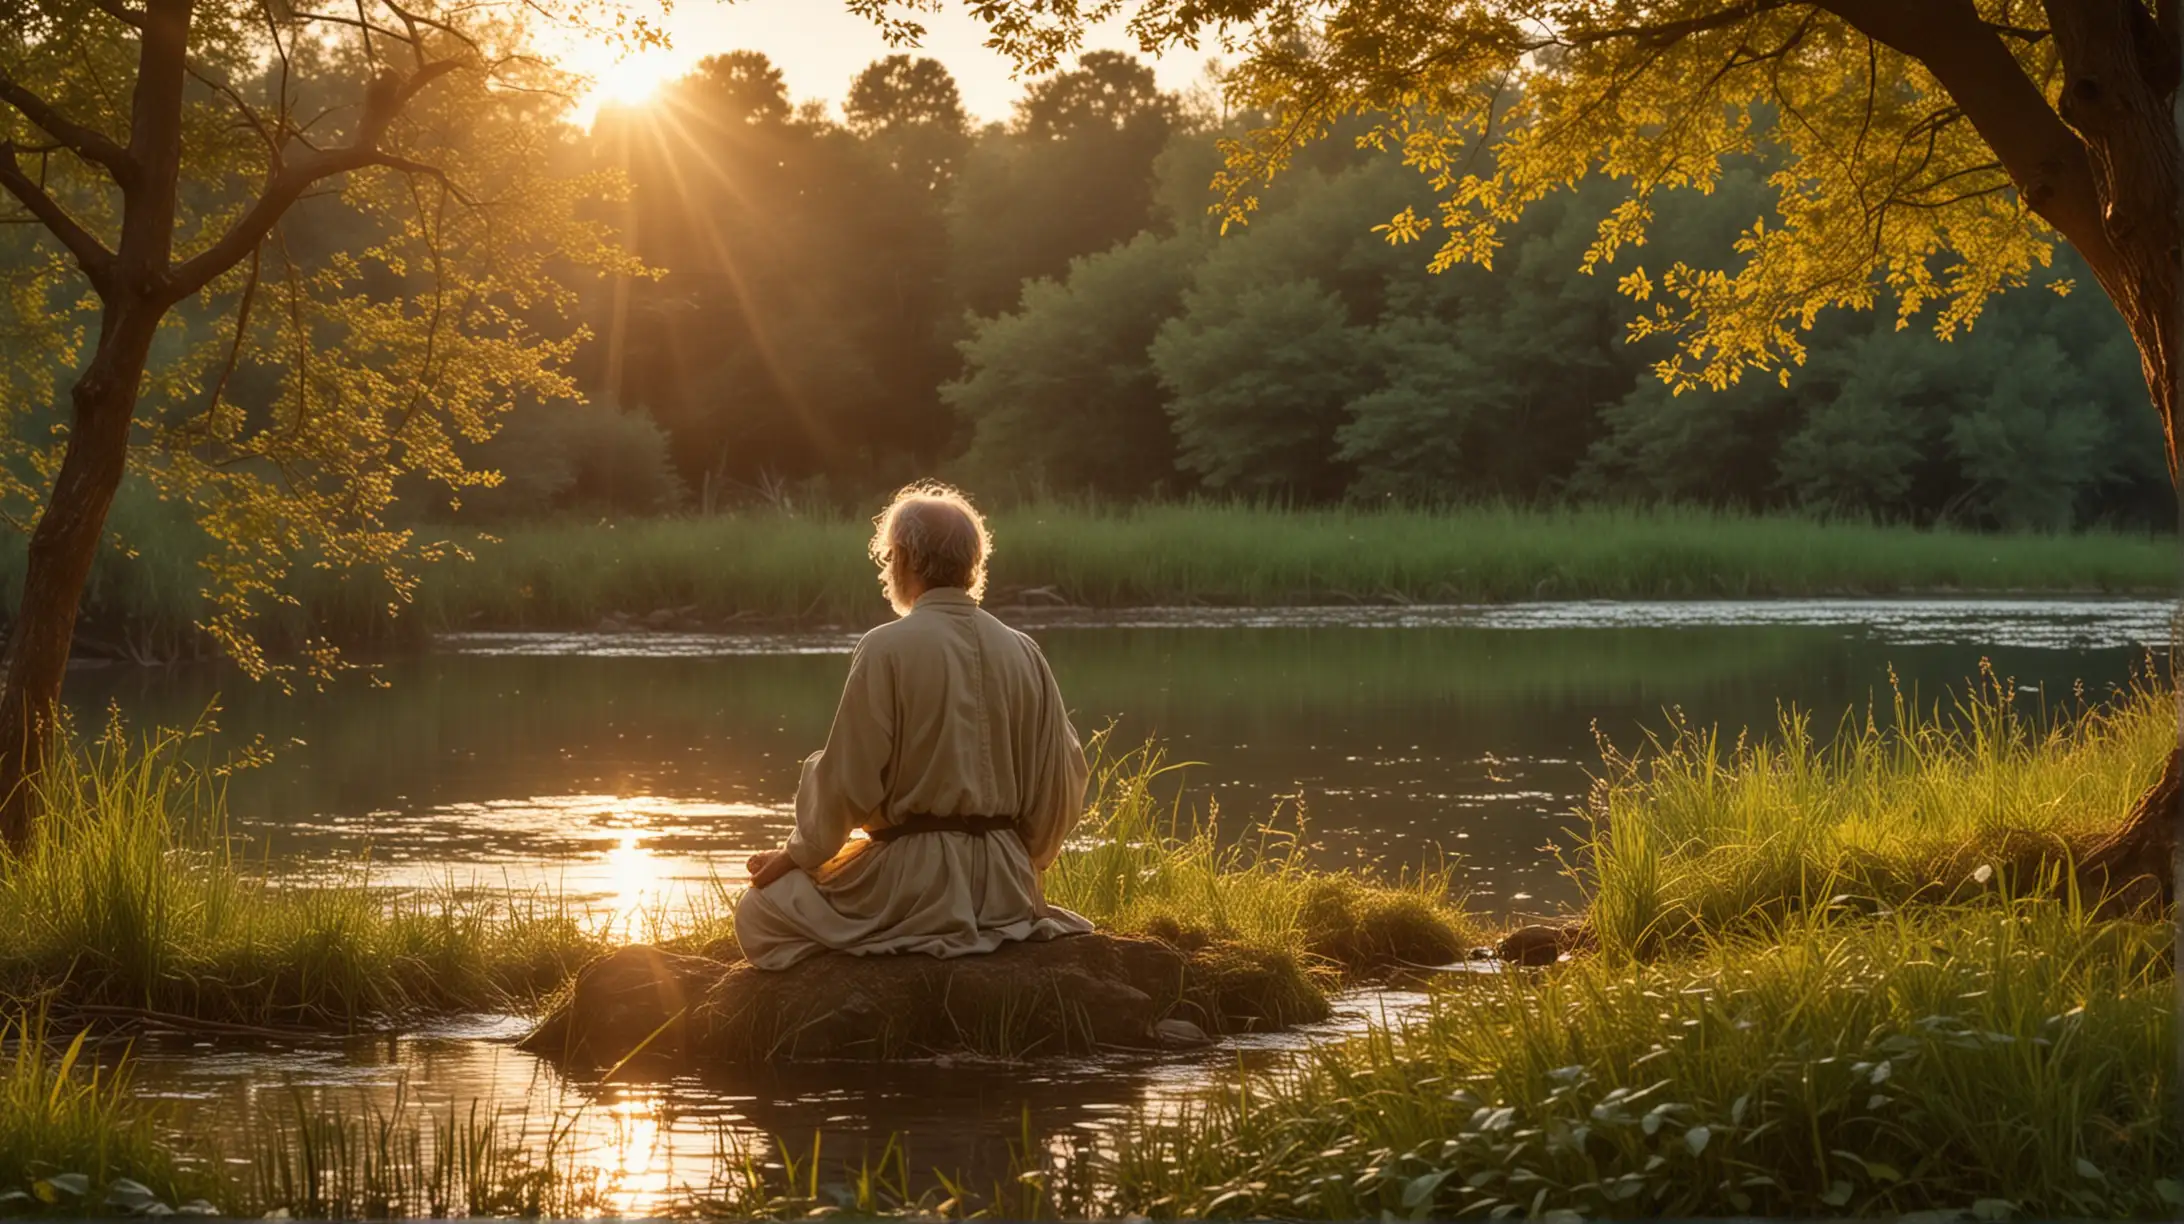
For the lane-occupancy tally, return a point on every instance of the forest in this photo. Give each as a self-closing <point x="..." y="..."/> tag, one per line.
<point x="1046" y="306"/>
<point x="838" y="298"/>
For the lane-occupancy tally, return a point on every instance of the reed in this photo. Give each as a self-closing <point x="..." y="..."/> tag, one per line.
<point x="131" y="904"/>
<point x="1143" y="863"/>
<point x="772" y="565"/>
<point x="811" y="567"/>
<point x="1703" y="831"/>
<point x="367" y="1162"/>
<point x="72" y="1137"/>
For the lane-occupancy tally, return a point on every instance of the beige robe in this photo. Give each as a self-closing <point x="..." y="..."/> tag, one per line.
<point x="946" y="712"/>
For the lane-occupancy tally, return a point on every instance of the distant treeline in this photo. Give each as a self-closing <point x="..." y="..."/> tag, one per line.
<point x="846" y="298"/>
<point x="1044" y="307"/>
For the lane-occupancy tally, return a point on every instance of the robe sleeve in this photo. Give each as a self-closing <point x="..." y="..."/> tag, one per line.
<point x="845" y="783"/>
<point x="1056" y="800"/>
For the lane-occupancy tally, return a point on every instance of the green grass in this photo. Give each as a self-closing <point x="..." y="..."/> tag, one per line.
<point x="1704" y="832"/>
<point x="70" y="1130"/>
<point x="773" y="566"/>
<point x="2000" y="1059"/>
<point x="131" y="900"/>
<point x="1739" y="1049"/>
<point x="1141" y="863"/>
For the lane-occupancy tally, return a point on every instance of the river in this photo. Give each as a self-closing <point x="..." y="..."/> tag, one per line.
<point x="625" y="772"/>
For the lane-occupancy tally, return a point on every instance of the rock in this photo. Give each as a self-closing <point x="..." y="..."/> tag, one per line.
<point x="1067" y="995"/>
<point x="631" y="999"/>
<point x="1542" y="944"/>
<point x="1174" y="1034"/>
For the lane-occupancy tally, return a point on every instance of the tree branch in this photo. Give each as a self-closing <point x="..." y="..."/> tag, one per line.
<point x="121" y="13"/>
<point x="1669" y="32"/>
<point x="2043" y="156"/>
<point x="92" y="256"/>
<point x="87" y="142"/>
<point x="383" y="100"/>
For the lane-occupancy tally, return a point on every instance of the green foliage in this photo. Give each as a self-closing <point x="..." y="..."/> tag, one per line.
<point x="74" y="1138"/>
<point x="1304" y="357"/>
<point x="1259" y="380"/>
<point x="813" y="567"/>
<point x="1073" y="174"/>
<point x="1059" y="393"/>
<point x="579" y="457"/>
<point x="2007" y="1060"/>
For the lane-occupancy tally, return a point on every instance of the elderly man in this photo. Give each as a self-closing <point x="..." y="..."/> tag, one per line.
<point x="950" y="749"/>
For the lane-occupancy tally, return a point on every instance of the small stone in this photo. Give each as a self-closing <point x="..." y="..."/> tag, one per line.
<point x="1174" y="1034"/>
<point x="1537" y="944"/>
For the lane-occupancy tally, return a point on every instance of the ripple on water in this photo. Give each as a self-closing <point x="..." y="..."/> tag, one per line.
<point x="2046" y="623"/>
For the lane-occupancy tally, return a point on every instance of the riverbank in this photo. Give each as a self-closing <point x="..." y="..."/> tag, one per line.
<point x="765" y="567"/>
<point x="1829" y="980"/>
<point x="804" y="568"/>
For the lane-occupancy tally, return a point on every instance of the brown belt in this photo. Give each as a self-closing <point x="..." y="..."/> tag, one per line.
<point x="977" y="826"/>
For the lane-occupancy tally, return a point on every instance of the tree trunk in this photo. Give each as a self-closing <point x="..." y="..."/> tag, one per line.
<point x="2121" y="70"/>
<point x="135" y="294"/>
<point x="2135" y="865"/>
<point x="62" y="549"/>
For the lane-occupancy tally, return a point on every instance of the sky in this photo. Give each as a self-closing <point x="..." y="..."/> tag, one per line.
<point x="820" y="46"/>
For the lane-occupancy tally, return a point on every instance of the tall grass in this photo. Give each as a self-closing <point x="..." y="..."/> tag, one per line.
<point x="766" y="564"/>
<point x="71" y="1132"/>
<point x="1702" y="832"/>
<point x="1142" y="864"/>
<point x="130" y="901"/>
<point x="776" y="566"/>
<point x="2007" y="1059"/>
<point x="369" y="1163"/>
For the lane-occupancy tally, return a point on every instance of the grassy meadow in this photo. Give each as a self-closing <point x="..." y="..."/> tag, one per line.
<point x="811" y="568"/>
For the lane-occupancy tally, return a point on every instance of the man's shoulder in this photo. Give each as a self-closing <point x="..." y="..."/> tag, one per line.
<point x="881" y="639"/>
<point x="996" y="625"/>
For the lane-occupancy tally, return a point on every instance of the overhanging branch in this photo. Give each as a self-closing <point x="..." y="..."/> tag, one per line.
<point x="86" y="142"/>
<point x="383" y="100"/>
<point x="91" y="255"/>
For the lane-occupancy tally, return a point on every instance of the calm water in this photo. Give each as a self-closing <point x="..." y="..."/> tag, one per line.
<point x="627" y="771"/>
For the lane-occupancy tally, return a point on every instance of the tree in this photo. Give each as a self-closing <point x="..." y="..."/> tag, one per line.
<point x="1062" y="391"/>
<point x="1073" y="175"/>
<point x="182" y="162"/>
<point x="911" y="108"/>
<point x="1933" y="152"/>
<point x="797" y="324"/>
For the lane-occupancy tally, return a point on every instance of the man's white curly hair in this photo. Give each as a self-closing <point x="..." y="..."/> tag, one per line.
<point x="930" y="531"/>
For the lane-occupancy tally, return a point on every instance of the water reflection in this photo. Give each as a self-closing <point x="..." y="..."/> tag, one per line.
<point x="612" y="774"/>
<point x="648" y="1145"/>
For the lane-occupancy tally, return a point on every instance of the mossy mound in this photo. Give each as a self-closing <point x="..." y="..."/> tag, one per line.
<point x="1366" y="930"/>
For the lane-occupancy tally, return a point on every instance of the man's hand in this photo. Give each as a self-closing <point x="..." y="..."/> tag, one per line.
<point x="767" y="866"/>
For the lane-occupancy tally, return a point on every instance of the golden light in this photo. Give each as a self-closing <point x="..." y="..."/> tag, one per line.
<point x="634" y="873"/>
<point x="629" y="80"/>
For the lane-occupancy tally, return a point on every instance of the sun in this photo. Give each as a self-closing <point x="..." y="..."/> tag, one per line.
<point x="616" y="77"/>
<point x="625" y="79"/>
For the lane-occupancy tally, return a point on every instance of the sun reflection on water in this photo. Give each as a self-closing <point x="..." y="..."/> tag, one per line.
<point x="637" y="886"/>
